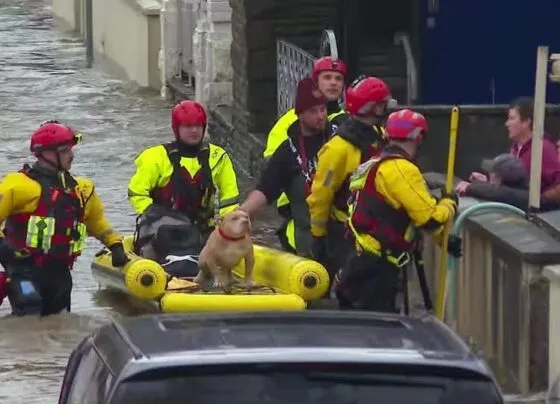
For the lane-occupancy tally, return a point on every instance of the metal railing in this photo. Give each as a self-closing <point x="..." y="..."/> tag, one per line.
<point x="293" y="64"/>
<point x="411" y="70"/>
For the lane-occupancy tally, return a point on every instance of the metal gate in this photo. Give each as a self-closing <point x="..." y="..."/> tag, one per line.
<point x="294" y="63"/>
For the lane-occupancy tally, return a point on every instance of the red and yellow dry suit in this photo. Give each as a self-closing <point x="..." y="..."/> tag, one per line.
<point x="50" y="217"/>
<point x="188" y="184"/>
<point x="352" y="144"/>
<point x="390" y="202"/>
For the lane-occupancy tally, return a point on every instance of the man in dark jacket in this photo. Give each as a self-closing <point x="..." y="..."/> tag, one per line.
<point x="508" y="182"/>
<point x="291" y="168"/>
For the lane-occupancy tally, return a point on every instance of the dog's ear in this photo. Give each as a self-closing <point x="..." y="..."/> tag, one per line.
<point x="219" y="220"/>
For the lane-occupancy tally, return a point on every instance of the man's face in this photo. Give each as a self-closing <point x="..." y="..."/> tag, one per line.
<point x="517" y="128"/>
<point x="191" y="134"/>
<point x="331" y="84"/>
<point x="381" y="109"/>
<point x="314" y="118"/>
<point x="65" y="157"/>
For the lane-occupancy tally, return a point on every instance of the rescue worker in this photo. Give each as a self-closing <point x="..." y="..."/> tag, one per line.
<point x="189" y="174"/>
<point x="356" y="140"/>
<point x="330" y="76"/>
<point x="48" y="214"/>
<point x="390" y="203"/>
<point x="292" y="167"/>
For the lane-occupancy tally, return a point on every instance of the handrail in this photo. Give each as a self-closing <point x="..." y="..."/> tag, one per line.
<point x="411" y="71"/>
<point x="328" y="45"/>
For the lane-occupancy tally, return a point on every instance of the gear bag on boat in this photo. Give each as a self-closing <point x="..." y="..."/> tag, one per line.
<point x="169" y="238"/>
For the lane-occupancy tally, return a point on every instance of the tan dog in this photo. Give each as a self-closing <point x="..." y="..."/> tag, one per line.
<point x="228" y="244"/>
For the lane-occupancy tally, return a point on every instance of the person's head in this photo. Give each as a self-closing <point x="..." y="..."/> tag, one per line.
<point x="311" y="107"/>
<point x="406" y="128"/>
<point x="52" y="144"/>
<point x="329" y="75"/>
<point x="368" y="99"/>
<point x="188" y="121"/>
<point x="506" y="169"/>
<point x="519" y="121"/>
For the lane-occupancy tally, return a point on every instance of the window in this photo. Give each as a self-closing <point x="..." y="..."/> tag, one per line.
<point x="89" y="381"/>
<point x="301" y="386"/>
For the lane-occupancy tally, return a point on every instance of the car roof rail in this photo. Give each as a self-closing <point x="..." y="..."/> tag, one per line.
<point x="300" y="317"/>
<point x="136" y="352"/>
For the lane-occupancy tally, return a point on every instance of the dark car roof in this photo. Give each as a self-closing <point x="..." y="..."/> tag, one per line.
<point x="160" y="334"/>
<point x="163" y="335"/>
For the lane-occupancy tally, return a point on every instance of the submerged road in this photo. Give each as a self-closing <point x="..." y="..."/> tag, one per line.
<point x="43" y="76"/>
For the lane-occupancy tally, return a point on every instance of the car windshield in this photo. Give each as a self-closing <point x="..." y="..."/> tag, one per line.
<point x="272" y="386"/>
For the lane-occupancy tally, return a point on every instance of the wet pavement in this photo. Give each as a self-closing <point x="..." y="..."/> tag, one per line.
<point x="43" y="76"/>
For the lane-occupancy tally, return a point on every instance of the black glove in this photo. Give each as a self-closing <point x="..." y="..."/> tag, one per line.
<point x="451" y="195"/>
<point x="454" y="246"/>
<point x="7" y="252"/>
<point x="118" y="258"/>
<point x="319" y="249"/>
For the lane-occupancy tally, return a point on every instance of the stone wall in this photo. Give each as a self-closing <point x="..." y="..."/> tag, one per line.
<point x="481" y="135"/>
<point x="256" y="24"/>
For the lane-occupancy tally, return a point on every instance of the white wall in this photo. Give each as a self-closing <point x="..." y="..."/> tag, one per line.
<point x="66" y="13"/>
<point x="212" y="42"/>
<point x="126" y="35"/>
<point x="199" y="30"/>
<point x="121" y="33"/>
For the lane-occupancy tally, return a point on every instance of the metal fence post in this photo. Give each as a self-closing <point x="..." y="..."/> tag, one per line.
<point x="89" y="32"/>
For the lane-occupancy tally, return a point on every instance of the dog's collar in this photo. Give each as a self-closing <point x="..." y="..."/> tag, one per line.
<point x="223" y="234"/>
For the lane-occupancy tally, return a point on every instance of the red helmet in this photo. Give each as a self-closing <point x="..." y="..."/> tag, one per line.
<point x="187" y="113"/>
<point x="364" y="92"/>
<point x="326" y="64"/>
<point x="51" y="135"/>
<point x="406" y="124"/>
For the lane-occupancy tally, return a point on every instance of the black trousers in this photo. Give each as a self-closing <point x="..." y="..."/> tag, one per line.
<point x="369" y="283"/>
<point x="39" y="291"/>
<point x="340" y="244"/>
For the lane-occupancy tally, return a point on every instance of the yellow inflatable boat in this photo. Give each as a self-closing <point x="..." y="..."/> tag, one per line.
<point x="286" y="283"/>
